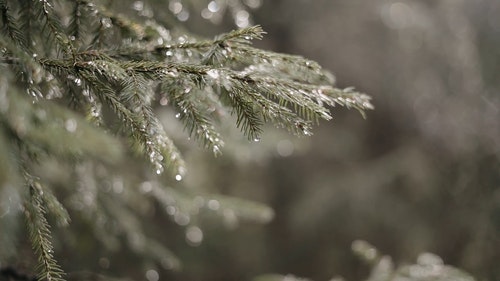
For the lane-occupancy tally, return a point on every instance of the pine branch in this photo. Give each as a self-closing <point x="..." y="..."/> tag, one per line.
<point x="144" y="128"/>
<point x="40" y="235"/>
<point x="108" y="18"/>
<point x="123" y="66"/>
<point x="75" y="28"/>
<point x="135" y="93"/>
<point x="5" y="161"/>
<point x="248" y="118"/>
<point x="52" y="26"/>
<point x="55" y="130"/>
<point x="279" y="114"/>
<point x="210" y="51"/>
<point x="10" y="26"/>
<point x="24" y="64"/>
<point x="231" y="207"/>
<point x="55" y="208"/>
<point x="181" y="205"/>
<point x="197" y="123"/>
<point x="26" y="18"/>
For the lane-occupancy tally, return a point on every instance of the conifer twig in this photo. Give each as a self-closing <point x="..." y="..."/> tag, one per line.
<point x="40" y="235"/>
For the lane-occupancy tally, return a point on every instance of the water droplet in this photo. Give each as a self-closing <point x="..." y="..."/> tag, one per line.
<point x="216" y="149"/>
<point x="159" y="170"/>
<point x="138" y="5"/>
<point x="164" y="101"/>
<point x="213" y="204"/>
<point x="181" y="171"/>
<point x="171" y="72"/>
<point x="178" y="177"/>
<point x="181" y="218"/>
<point x="206" y="14"/>
<point x="152" y="275"/>
<point x="169" y="263"/>
<point x="199" y="201"/>
<point x="194" y="235"/>
<point x="429" y="259"/>
<point x="70" y="125"/>
<point x="49" y="77"/>
<point x="242" y="18"/>
<point x="254" y="4"/>
<point x="213" y="73"/>
<point x="146" y="187"/>
<point x="175" y="7"/>
<point x="213" y="7"/>
<point x="106" y="22"/>
<point x="41" y="114"/>
<point x="177" y="115"/>
<point x="171" y="210"/>
<point x="364" y="249"/>
<point x="367" y="105"/>
<point x="152" y="155"/>
<point x="183" y="15"/>
<point x="257" y="139"/>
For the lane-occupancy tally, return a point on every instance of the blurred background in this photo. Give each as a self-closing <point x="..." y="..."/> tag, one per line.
<point x="421" y="173"/>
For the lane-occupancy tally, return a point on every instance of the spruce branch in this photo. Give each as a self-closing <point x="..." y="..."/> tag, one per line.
<point x="26" y="21"/>
<point x="207" y="50"/>
<point x="40" y="234"/>
<point x="197" y="123"/>
<point x="75" y="27"/>
<point x="143" y="126"/>
<point x="5" y="162"/>
<point x="113" y="68"/>
<point x="55" y="208"/>
<point x="24" y="65"/>
<point x="10" y="25"/>
<point x="52" y="25"/>
<point x="181" y="205"/>
<point x="248" y="118"/>
<point x="107" y="18"/>
<point x="56" y="130"/>
<point x="158" y="146"/>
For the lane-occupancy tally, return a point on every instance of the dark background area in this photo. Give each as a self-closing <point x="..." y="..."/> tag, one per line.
<point x="421" y="173"/>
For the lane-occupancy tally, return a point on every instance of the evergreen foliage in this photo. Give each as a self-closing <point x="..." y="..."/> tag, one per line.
<point x="429" y="267"/>
<point x="79" y="87"/>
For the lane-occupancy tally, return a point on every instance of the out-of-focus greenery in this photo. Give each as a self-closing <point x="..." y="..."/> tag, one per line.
<point x="421" y="174"/>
